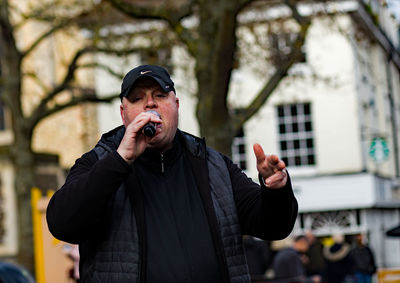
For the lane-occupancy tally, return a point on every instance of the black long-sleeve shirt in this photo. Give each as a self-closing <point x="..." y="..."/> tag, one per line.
<point x="78" y="208"/>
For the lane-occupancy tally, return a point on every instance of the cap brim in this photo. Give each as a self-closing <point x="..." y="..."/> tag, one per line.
<point x="165" y="87"/>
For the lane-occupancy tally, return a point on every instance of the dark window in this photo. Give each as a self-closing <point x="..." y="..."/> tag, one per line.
<point x="307" y="110"/>
<point x="283" y="145"/>
<point x="2" y="215"/>
<point x="282" y="129"/>
<point x="296" y="144"/>
<point x="293" y="110"/>
<point x="308" y="126"/>
<point x="239" y="150"/>
<point x="2" y="117"/>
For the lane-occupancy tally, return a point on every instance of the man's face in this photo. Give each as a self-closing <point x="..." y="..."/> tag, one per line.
<point x="301" y="246"/>
<point x="148" y="95"/>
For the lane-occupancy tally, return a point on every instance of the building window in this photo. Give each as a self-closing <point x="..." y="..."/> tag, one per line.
<point x="2" y="118"/>
<point x="2" y="214"/>
<point x="296" y="140"/>
<point x="239" y="150"/>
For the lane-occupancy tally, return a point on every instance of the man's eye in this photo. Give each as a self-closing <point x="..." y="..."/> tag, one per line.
<point x="161" y="95"/>
<point x="135" y="98"/>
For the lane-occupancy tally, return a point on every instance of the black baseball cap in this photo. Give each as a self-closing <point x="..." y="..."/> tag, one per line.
<point x="159" y="74"/>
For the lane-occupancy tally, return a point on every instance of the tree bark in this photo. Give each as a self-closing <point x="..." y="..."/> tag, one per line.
<point x="21" y="153"/>
<point x="23" y="160"/>
<point x="214" y="61"/>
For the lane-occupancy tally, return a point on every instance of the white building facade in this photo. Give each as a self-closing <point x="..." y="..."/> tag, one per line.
<point x="337" y="125"/>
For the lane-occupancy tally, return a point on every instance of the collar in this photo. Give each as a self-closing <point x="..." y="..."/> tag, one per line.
<point x="156" y="161"/>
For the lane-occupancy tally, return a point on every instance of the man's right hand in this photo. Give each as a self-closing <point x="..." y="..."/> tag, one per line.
<point x="134" y="142"/>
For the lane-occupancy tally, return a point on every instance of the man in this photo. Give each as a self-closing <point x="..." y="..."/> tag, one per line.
<point x="316" y="264"/>
<point x="363" y="260"/>
<point x="338" y="261"/>
<point x="288" y="264"/>
<point x="165" y="208"/>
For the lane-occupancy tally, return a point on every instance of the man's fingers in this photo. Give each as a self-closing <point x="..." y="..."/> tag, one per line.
<point x="277" y="180"/>
<point x="271" y="168"/>
<point x="141" y="120"/>
<point x="273" y="160"/>
<point x="259" y="153"/>
<point x="275" y="163"/>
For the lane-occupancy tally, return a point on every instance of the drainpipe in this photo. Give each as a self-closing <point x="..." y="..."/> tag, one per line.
<point x="394" y="117"/>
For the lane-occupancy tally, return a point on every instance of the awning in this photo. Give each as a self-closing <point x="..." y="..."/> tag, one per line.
<point x="394" y="232"/>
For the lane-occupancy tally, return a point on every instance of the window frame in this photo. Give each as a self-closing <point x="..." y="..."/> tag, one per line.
<point x="296" y="140"/>
<point x="238" y="149"/>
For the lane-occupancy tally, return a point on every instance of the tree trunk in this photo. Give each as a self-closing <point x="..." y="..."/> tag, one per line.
<point x="23" y="160"/>
<point x="21" y="153"/>
<point x="214" y="63"/>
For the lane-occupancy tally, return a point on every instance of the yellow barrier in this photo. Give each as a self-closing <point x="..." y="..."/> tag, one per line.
<point x="389" y="275"/>
<point x="51" y="261"/>
<point x="36" y="195"/>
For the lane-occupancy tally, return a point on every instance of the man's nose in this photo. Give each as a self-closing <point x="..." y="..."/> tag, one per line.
<point x="150" y="102"/>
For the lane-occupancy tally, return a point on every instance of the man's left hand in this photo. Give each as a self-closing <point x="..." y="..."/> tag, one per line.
<point x="271" y="168"/>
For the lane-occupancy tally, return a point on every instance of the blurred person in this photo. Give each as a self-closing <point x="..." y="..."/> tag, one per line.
<point x="289" y="263"/>
<point x="12" y="273"/>
<point x="363" y="261"/>
<point x="338" y="268"/>
<point x="316" y="264"/>
<point x="151" y="203"/>
<point x="72" y="252"/>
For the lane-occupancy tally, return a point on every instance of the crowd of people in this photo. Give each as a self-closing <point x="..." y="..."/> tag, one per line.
<point x="343" y="260"/>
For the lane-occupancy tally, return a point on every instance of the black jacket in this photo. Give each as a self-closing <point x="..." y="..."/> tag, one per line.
<point x="95" y="209"/>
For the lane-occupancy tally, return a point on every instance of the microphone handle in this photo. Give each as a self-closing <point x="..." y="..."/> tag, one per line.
<point x="149" y="130"/>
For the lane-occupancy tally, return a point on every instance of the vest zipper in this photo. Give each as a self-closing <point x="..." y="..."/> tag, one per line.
<point x="162" y="163"/>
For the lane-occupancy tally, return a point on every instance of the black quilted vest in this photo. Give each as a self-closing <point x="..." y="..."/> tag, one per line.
<point x="119" y="254"/>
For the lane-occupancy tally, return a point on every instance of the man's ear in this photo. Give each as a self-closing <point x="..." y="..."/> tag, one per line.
<point x="177" y="101"/>
<point x="121" y="111"/>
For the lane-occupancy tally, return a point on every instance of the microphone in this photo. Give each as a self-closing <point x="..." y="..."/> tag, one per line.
<point x="149" y="129"/>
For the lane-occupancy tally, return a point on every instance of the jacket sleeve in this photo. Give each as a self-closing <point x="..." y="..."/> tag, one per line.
<point x="79" y="204"/>
<point x="265" y="213"/>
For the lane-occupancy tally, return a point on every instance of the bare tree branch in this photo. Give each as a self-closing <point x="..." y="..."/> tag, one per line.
<point x="245" y="2"/>
<point x="118" y="52"/>
<point x="73" y="66"/>
<point x="64" y="83"/>
<point x="88" y="97"/>
<point x="104" y="67"/>
<point x="159" y="12"/>
<point x="34" y="76"/>
<point x="55" y="23"/>
<point x="281" y="71"/>
<point x="172" y="15"/>
<point x="295" y="13"/>
<point x="42" y="37"/>
<point x="10" y="61"/>
<point x="265" y="93"/>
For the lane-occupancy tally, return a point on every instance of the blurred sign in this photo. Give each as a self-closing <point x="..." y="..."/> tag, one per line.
<point x="389" y="275"/>
<point x="379" y="150"/>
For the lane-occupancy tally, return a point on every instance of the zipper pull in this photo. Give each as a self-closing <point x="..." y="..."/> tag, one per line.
<point x="162" y="163"/>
